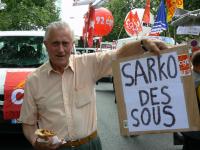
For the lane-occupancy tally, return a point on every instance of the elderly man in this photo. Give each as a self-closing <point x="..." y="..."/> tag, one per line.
<point x="60" y="95"/>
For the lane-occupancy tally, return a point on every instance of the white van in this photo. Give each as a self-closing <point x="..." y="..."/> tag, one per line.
<point x="167" y="40"/>
<point x="20" y="51"/>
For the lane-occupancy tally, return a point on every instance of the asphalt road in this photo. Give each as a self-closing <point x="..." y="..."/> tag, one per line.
<point x="108" y="127"/>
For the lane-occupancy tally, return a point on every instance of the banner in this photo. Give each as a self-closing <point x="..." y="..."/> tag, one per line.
<point x="13" y="94"/>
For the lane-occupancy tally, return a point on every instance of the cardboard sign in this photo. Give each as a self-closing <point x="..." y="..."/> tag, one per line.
<point x="156" y="93"/>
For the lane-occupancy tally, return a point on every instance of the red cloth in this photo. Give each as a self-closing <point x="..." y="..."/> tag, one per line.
<point x="91" y="27"/>
<point x="13" y="94"/>
<point x="146" y="15"/>
<point x="137" y="22"/>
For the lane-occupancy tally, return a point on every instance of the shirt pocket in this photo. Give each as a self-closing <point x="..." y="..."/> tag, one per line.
<point x="82" y="97"/>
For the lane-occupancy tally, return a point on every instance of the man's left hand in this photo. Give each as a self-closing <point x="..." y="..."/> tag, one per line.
<point x="154" y="46"/>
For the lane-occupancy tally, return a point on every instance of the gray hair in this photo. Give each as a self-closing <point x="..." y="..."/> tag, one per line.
<point x="58" y="25"/>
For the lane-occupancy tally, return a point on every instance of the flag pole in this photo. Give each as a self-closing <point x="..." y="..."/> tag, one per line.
<point x="120" y="32"/>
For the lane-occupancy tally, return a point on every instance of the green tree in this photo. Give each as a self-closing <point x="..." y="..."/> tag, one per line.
<point x="119" y="9"/>
<point x="28" y="14"/>
<point x="191" y="4"/>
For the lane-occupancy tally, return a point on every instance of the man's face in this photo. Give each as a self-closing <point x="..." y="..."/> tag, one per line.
<point x="59" y="45"/>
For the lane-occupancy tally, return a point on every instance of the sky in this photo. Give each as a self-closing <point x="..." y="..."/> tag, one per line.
<point x="73" y="15"/>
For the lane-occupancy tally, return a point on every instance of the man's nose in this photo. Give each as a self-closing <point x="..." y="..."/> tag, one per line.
<point x="61" y="47"/>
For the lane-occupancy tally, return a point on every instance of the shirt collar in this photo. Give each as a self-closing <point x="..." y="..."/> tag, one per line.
<point x="70" y="65"/>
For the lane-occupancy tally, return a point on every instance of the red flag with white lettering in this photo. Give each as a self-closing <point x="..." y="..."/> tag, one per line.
<point x="13" y="94"/>
<point x="129" y="25"/>
<point x="132" y="24"/>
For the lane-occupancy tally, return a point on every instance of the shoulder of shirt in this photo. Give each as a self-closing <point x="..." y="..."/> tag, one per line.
<point x="96" y="54"/>
<point x="43" y="68"/>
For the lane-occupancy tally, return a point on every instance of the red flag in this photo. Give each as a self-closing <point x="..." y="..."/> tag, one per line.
<point x="13" y="94"/>
<point x="91" y="27"/>
<point x="146" y="15"/>
<point x="129" y="25"/>
<point x="132" y="24"/>
<point x="137" y="23"/>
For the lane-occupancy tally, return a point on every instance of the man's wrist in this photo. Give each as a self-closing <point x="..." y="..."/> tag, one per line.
<point x="143" y="46"/>
<point x="34" y="141"/>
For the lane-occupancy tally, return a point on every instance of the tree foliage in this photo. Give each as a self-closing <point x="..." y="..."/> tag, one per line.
<point x="28" y="14"/>
<point x="191" y="4"/>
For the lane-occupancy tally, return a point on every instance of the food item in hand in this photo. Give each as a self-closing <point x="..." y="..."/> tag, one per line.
<point x="44" y="133"/>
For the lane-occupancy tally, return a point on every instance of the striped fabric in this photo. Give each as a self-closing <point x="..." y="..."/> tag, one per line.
<point x="160" y="23"/>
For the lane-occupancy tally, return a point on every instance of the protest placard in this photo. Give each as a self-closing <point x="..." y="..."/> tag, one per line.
<point x="156" y="93"/>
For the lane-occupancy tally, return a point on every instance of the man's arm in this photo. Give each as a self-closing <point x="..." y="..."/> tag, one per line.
<point x="138" y="47"/>
<point x="29" y="132"/>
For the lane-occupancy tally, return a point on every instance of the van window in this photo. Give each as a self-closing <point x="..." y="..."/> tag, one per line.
<point x="22" y="51"/>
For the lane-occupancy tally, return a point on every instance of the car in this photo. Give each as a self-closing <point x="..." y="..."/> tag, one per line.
<point x="21" y="52"/>
<point x="106" y="46"/>
<point x="81" y="50"/>
<point x="123" y="41"/>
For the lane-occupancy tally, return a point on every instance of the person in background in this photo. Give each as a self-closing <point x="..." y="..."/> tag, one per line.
<point x="60" y="94"/>
<point x="195" y="59"/>
<point x="191" y="140"/>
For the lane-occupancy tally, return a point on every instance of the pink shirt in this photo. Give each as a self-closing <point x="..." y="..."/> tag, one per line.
<point x="66" y="103"/>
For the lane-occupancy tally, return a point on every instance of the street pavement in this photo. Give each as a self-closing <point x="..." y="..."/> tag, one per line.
<point x="108" y="127"/>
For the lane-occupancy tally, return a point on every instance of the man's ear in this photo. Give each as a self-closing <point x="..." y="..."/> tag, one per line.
<point x="45" y="43"/>
<point x="198" y="68"/>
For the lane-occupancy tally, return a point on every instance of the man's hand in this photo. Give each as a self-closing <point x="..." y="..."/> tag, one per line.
<point x="48" y="145"/>
<point x="140" y="46"/>
<point x="154" y="46"/>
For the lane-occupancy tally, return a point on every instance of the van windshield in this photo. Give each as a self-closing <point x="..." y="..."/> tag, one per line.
<point x="22" y="51"/>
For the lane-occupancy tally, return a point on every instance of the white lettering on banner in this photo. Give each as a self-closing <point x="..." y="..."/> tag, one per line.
<point x="152" y="88"/>
<point x="129" y="24"/>
<point x="14" y="96"/>
<point x="101" y="20"/>
<point x="184" y="62"/>
<point x="109" y="22"/>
